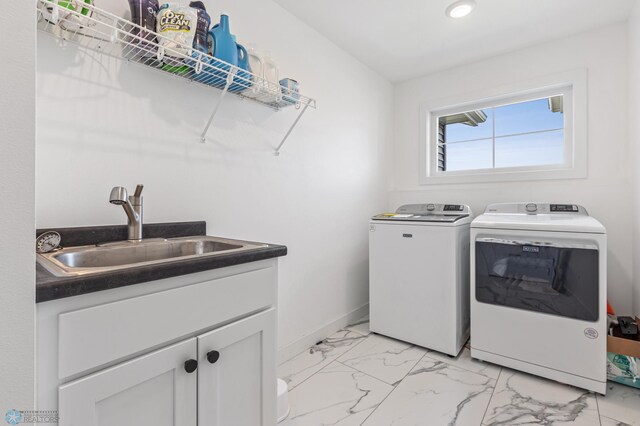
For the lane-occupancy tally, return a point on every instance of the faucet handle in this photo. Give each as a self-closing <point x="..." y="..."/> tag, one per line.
<point x="138" y="190"/>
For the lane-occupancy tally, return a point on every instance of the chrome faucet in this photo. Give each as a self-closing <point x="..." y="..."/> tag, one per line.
<point x="133" y="208"/>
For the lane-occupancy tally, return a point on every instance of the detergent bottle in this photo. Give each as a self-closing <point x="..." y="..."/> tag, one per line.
<point x="200" y="45"/>
<point x="242" y="81"/>
<point x="223" y="47"/>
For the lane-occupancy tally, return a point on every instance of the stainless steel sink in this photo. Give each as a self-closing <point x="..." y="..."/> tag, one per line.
<point x="127" y="254"/>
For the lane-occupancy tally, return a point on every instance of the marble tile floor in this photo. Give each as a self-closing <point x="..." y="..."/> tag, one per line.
<point x="355" y="377"/>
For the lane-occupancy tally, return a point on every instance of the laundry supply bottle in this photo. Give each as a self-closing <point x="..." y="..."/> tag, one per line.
<point x="242" y="81"/>
<point x="256" y="68"/>
<point x="176" y="27"/>
<point x="223" y="48"/>
<point x="143" y="13"/>
<point x="200" y="47"/>
<point x="272" y="78"/>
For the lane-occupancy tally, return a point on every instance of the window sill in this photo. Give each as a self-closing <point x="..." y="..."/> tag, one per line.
<point x="503" y="176"/>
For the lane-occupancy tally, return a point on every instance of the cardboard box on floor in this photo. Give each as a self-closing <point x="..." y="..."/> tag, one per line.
<point x="625" y="351"/>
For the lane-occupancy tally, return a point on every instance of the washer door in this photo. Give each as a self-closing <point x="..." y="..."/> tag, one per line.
<point x="551" y="278"/>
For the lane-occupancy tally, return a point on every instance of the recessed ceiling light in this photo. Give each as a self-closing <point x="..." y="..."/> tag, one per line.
<point x="460" y="8"/>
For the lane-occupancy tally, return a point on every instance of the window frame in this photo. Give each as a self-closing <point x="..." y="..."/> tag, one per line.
<point x="572" y="85"/>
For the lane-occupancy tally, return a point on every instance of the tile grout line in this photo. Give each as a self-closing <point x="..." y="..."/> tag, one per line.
<point x="394" y="387"/>
<point x="361" y="341"/>
<point x="343" y="354"/>
<point x="306" y="349"/>
<point x="390" y="384"/>
<point x="362" y="372"/>
<point x="462" y="368"/>
<point x="595" y="395"/>
<point x="329" y="363"/>
<point x="313" y="374"/>
<point x="491" y="397"/>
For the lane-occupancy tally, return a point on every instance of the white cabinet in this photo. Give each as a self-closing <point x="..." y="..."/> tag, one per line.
<point x="221" y="378"/>
<point x="152" y="390"/>
<point x="111" y="358"/>
<point x="236" y="374"/>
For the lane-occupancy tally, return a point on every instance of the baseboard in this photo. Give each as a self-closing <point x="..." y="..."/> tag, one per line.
<point x="294" y="348"/>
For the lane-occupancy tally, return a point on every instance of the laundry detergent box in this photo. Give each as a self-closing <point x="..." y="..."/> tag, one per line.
<point x="623" y="360"/>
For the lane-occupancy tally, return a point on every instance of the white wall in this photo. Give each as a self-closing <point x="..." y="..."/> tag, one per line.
<point x="17" y="209"/>
<point x="605" y="192"/>
<point x="634" y="140"/>
<point x="103" y="123"/>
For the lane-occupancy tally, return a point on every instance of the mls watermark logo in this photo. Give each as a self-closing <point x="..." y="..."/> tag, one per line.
<point x="13" y="417"/>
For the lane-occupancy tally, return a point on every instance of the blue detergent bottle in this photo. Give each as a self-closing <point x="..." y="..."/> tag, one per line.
<point x="242" y="81"/>
<point x="223" y="48"/>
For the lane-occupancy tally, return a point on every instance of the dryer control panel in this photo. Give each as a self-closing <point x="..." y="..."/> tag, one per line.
<point x="567" y="208"/>
<point x="536" y="208"/>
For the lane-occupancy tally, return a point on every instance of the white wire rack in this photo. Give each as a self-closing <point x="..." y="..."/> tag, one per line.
<point x="101" y="31"/>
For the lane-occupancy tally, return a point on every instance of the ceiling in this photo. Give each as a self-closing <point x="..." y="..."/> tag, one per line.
<point x="403" y="39"/>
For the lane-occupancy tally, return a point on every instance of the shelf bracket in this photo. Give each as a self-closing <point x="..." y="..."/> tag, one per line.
<point x="286" y="136"/>
<point x="230" y="76"/>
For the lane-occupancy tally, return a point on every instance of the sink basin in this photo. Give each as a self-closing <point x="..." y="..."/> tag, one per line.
<point x="127" y="254"/>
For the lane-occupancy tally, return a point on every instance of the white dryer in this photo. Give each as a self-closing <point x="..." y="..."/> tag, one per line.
<point x="538" y="291"/>
<point x="419" y="275"/>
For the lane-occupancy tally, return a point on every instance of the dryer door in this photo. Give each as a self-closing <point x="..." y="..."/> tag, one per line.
<point x="551" y="278"/>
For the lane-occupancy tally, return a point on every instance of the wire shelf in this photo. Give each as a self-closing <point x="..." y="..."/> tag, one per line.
<point x="101" y="31"/>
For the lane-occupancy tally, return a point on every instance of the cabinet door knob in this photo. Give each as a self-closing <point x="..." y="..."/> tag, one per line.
<point x="190" y="365"/>
<point x="213" y="356"/>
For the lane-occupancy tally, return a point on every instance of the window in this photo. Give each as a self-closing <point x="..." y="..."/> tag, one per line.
<point x="529" y="133"/>
<point x="522" y="136"/>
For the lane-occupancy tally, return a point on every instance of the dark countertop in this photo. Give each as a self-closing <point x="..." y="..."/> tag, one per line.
<point x="50" y="287"/>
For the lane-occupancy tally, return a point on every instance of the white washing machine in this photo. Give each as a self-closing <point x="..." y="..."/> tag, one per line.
<point x="538" y="291"/>
<point x="419" y="275"/>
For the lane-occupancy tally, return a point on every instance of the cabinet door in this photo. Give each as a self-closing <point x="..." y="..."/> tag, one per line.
<point x="152" y="390"/>
<point x="236" y="373"/>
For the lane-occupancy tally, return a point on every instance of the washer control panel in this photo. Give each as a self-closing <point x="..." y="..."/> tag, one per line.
<point x="536" y="208"/>
<point x="430" y="212"/>
<point x="432" y="208"/>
